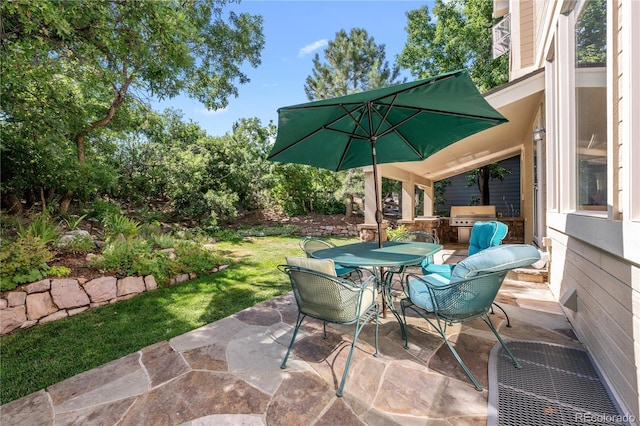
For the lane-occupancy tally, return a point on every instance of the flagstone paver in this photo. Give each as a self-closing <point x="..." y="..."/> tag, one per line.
<point x="228" y="373"/>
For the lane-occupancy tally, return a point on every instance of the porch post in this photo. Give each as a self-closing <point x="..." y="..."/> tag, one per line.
<point x="427" y="208"/>
<point x="369" y="196"/>
<point x="408" y="200"/>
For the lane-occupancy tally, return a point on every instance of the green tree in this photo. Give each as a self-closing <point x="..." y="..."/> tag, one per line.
<point x="459" y="38"/>
<point x="300" y="189"/>
<point x="353" y="63"/>
<point x="71" y="68"/>
<point x="591" y="37"/>
<point x="481" y="177"/>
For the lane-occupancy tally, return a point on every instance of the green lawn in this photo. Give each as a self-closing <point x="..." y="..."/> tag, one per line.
<point x="35" y="358"/>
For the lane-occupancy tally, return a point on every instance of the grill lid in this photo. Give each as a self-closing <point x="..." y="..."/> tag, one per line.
<point x="468" y="215"/>
<point x="473" y="211"/>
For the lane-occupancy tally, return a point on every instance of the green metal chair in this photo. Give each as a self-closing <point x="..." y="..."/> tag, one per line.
<point x="309" y="244"/>
<point x="411" y="236"/>
<point x="322" y="295"/>
<point x="468" y="294"/>
<point x="483" y="236"/>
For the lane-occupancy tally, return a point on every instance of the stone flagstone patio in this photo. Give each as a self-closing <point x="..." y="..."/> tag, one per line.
<point x="228" y="372"/>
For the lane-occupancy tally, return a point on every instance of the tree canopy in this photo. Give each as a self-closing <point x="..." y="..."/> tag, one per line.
<point x="353" y="63"/>
<point x="459" y="38"/>
<point x="71" y="68"/>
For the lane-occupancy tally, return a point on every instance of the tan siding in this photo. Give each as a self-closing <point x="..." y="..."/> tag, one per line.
<point x="527" y="18"/>
<point x="604" y="320"/>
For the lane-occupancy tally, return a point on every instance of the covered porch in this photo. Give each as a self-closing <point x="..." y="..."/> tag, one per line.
<point x="521" y="102"/>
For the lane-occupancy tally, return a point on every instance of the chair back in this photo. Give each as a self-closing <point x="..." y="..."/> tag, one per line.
<point x="467" y="299"/>
<point x="485" y="235"/>
<point x="495" y="259"/>
<point x="418" y="236"/>
<point x="320" y="294"/>
<point x="474" y="282"/>
<point x="310" y="244"/>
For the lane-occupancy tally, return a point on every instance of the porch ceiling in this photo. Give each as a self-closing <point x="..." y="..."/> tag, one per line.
<point x="518" y="101"/>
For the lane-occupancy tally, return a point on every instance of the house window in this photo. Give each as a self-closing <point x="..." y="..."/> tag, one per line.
<point x="590" y="105"/>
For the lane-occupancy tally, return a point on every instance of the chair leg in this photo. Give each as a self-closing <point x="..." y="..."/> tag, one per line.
<point x="358" y="327"/>
<point x="461" y="362"/>
<point x="293" y="338"/>
<point x="503" y="311"/>
<point x="441" y="327"/>
<point x="405" y="336"/>
<point x="488" y="321"/>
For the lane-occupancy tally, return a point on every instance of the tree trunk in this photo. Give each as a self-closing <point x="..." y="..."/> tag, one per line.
<point x="484" y="189"/>
<point x="349" y="211"/>
<point x="12" y="203"/>
<point x="348" y="186"/>
<point x="43" y="199"/>
<point x="121" y="95"/>
<point x="65" y="202"/>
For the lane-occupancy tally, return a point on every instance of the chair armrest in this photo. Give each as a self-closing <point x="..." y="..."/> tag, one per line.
<point x="286" y="269"/>
<point x="367" y="282"/>
<point x="434" y="281"/>
<point x="443" y="270"/>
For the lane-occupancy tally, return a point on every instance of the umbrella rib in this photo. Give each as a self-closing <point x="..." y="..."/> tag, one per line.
<point x="356" y="121"/>
<point x="386" y="114"/>
<point x="395" y="129"/>
<point x="351" y="135"/>
<point x="307" y="136"/>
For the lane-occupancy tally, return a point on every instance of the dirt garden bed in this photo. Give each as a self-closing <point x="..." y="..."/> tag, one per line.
<point x="80" y="268"/>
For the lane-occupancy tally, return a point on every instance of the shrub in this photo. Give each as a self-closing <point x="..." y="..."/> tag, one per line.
<point x="41" y="228"/>
<point x="77" y="244"/>
<point x="395" y="233"/>
<point x="117" y="224"/>
<point x="58" y="271"/>
<point x="135" y="257"/>
<point x="164" y="241"/>
<point x="23" y="261"/>
<point x="103" y="208"/>
<point x="193" y="257"/>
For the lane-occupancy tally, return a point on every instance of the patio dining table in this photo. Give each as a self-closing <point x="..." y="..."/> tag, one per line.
<point x="396" y="255"/>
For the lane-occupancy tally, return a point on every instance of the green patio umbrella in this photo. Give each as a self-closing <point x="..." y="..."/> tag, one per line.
<point x="405" y="122"/>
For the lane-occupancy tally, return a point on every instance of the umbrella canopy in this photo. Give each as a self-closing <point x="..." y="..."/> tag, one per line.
<point x="405" y="122"/>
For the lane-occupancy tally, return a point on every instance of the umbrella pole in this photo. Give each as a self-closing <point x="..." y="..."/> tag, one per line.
<point x="378" y="216"/>
<point x="376" y="189"/>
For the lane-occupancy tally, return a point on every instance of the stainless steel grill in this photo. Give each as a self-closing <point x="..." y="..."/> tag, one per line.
<point x="464" y="217"/>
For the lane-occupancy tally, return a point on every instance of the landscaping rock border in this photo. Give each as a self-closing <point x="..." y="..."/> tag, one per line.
<point x="52" y="299"/>
<point x="331" y="230"/>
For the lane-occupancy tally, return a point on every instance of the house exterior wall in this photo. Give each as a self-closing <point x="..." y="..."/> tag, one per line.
<point x="505" y="195"/>
<point x="595" y="255"/>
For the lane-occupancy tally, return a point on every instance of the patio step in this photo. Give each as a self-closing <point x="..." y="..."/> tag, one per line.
<point x="531" y="275"/>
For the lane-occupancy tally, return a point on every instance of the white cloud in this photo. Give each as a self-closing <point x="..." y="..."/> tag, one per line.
<point x="309" y="48"/>
<point x="205" y="111"/>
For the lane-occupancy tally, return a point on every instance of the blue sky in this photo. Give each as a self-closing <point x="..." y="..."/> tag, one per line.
<point x="294" y="31"/>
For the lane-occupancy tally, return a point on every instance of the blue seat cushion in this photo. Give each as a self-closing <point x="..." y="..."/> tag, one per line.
<point x="343" y="270"/>
<point x="443" y="270"/>
<point x="419" y="292"/>
<point x="494" y="259"/>
<point x="485" y="235"/>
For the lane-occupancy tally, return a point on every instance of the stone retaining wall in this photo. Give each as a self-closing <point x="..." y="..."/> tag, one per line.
<point x="51" y="299"/>
<point x="333" y="230"/>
